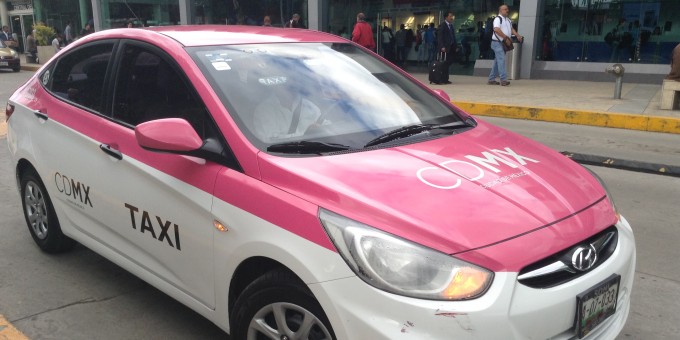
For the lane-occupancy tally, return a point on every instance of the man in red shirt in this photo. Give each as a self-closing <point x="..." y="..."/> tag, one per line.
<point x="363" y="34"/>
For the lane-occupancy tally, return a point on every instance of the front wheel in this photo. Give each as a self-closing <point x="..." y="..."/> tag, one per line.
<point x="40" y="216"/>
<point x="278" y="306"/>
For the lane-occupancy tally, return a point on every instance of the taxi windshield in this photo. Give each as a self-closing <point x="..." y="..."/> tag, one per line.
<point x="318" y="94"/>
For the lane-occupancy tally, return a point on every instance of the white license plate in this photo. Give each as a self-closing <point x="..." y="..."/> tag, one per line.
<point x="596" y="304"/>
<point x="3" y="63"/>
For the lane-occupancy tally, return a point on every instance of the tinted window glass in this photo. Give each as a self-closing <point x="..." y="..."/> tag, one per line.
<point x="79" y="76"/>
<point x="148" y="87"/>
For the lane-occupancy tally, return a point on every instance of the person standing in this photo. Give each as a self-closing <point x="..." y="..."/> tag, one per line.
<point x="7" y="38"/>
<point x="502" y="29"/>
<point x="388" y="43"/>
<point x="86" y="30"/>
<point x="295" y="22"/>
<point x="400" y="41"/>
<point x="267" y="21"/>
<point x="5" y="35"/>
<point x="68" y="33"/>
<point x="31" y="48"/>
<point x="56" y="43"/>
<point x="614" y="40"/>
<point x="446" y="42"/>
<point x="430" y="42"/>
<point x="362" y="33"/>
<point x="675" y="65"/>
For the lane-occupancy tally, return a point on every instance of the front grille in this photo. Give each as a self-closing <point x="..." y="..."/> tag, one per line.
<point x="9" y="57"/>
<point x="569" y="264"/>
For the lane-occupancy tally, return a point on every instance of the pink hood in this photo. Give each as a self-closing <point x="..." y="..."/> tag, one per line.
<point x="452" y="194"/>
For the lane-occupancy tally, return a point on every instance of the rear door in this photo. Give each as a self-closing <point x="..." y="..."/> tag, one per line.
<point x="149" y="211"/>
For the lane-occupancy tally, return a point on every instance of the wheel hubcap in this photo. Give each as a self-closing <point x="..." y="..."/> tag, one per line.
<point x="286" y="321"/>
<point x="36" y="209"/>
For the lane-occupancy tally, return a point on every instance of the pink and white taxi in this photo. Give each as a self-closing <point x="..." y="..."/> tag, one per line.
<point x="289" y="184"/>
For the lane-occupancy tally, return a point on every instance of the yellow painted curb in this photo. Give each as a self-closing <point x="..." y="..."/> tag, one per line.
<point x="593" y="118"/>
<point x="8" y="332"/>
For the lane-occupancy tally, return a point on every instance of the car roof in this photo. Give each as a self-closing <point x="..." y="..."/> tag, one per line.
<point x="208" y="35"/>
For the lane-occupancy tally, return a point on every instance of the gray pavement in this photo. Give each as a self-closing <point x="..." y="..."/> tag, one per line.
<point x="642" y="99"/>
<point x="562" y="101"/>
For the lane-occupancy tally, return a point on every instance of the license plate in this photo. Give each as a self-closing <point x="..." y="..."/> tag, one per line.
<point x="3" y="63"/>
<point x="596" y="305"/>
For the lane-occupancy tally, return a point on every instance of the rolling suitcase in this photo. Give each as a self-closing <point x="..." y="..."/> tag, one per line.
<point x="438" y="70"/>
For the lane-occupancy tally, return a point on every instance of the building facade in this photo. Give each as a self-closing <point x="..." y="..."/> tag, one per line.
<point x="564" y="39"/>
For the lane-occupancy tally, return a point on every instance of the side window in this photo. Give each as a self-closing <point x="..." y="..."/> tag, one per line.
<point x="79" y="76"/>
<point x="149" y="87"/>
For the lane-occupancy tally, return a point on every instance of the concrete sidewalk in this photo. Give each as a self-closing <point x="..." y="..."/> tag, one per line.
<point x="564" y="101"/>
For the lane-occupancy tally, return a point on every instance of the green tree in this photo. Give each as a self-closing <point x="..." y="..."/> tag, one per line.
<point x="43" y="34"/>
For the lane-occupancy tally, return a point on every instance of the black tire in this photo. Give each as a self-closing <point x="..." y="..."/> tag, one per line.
<point x="40" y="217"/>
<point x="282" y="293"/>
<point x="17" y="69"/>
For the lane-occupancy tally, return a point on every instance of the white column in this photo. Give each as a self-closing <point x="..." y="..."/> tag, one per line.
<point x="528" y="27"/>
<point x="97" y="15"/>
<point x="185" y="12"/>
<point x="314" y="8"/>
<point x="4" y="16"/>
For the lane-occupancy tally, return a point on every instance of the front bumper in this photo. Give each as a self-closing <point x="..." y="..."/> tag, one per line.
<point x="509" y="310"/>
<point x="14" y="63"/>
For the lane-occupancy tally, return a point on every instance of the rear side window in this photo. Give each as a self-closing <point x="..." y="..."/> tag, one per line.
<point x="79" y="76"/>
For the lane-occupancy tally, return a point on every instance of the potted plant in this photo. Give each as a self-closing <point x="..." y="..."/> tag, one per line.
<point x="43" y="38"/>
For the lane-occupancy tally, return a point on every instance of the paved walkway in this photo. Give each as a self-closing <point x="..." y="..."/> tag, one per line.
<point x="564" y="101"/>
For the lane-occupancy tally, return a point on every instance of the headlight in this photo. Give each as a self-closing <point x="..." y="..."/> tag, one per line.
<point x="14" y="54"/>
<point x="403" y="267"/>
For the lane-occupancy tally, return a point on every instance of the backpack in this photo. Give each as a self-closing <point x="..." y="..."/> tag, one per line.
<point x="626" y="40"/>
<point x="609" y="38"/>
<point x="488" y="32"/>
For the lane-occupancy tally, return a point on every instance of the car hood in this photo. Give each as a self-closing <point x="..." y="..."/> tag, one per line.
<point x="452" y="194"/>
<point x="5" y="52"/>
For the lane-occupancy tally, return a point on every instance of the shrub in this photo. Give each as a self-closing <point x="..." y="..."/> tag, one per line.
<point x="43" y="34"/>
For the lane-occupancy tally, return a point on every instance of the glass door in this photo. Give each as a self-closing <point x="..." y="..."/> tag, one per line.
<point x="22" y="25"/>
<point x="17" y="32"/>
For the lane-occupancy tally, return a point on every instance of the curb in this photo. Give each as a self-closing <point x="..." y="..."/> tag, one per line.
<point x="7" y="331"/>
<point x="592" y="118"/>
<point x="624" y="164"/>
<point x="30" y="67"/>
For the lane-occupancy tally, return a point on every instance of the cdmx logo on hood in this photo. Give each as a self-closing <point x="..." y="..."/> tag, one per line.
<point x="471" y="169"/>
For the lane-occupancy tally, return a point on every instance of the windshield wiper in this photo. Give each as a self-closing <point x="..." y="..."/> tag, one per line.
<point x="307" y="147"/>
<point x="410" y="130"/>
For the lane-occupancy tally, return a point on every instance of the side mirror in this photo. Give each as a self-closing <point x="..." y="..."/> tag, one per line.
<point x="443" y="94"/>
<point x="174" y="135"/>
<point x="465" y="116"/>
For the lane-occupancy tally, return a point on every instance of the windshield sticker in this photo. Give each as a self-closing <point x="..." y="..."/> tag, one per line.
<point x="220" y="61"/>
<point x="269" y="81"/>
<point x="46" y="78"/>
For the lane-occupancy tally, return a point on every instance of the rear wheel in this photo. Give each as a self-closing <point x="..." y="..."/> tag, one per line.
<point x="278" y="306"/>
<point x="40" y="216"/>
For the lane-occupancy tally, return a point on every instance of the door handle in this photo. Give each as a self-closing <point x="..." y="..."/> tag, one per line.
<point x="111" y="152"/>
<point x="40" y="115"/>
